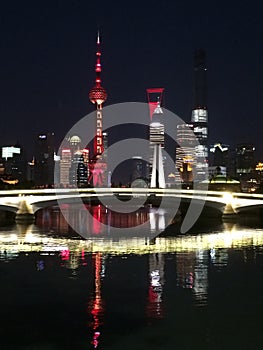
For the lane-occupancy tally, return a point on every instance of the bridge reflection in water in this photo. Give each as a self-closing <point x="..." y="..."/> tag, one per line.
<point x="100" y="221"/>
<point x="188" y="257"/>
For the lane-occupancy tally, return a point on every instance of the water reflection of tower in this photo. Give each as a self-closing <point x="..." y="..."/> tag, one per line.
<point x="185" y="263"/>
<point x="201" y="277"/>
<point x="96" y="307"/>
<point x="155" y="291"/>
<point x="98" y="96"/>
<point x="157" y="220"/>
<point x="192" y="273"/>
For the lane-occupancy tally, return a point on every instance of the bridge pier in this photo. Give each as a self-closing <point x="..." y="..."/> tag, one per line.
<point x="229" y="212"/>
<point x="25" y="213"/>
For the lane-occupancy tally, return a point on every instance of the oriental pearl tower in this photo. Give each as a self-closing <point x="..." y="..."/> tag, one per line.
<point x="98" y="96"/>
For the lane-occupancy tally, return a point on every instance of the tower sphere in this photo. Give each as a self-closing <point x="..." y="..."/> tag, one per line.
<point x="98" y="95"/>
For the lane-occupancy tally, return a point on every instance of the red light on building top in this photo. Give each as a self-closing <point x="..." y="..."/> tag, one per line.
<point x="154" y="95"/>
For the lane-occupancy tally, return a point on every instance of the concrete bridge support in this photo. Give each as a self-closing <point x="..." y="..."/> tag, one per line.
<point x="25" y="213"/>
<point x="229" y="210"/>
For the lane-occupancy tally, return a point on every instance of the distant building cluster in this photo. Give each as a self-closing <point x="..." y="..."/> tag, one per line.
<point x="221" y="166"/>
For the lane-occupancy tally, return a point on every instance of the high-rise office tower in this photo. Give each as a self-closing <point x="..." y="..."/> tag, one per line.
<point x="156" y="146"/>
<point x="185" y="153"/>
<point x="78" y="172"/>
<point x="14" y="162"/>
<point x="138" y="172"/>
<point x="199" y="116"/>
<point x="98" y="96"/>
<point x="245" y="159"/>
<point x="65" y="164"/>
<point x="44" y="159"/>
<point x="72" y="147"/>
<point x="154" y="97"/>
<point x="219" y="160"/>
<point x="156" y="137"/>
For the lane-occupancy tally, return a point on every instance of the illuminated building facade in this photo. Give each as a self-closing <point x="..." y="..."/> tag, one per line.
<point x="98" y="96"/>
<point x="44" y="159"/>
<point x="78" y="172"/>
<point x="199" y="116"/>
<point x="185" y="152"/>
<point x="10" y="151"/>
<point x="65" y="164"/>
<point x="74" y="163"/>
<point x="14" y="163"/>
<point x="157" y="179"/>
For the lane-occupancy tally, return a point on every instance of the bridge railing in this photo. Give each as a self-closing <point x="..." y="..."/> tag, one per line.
<point x="128" y="190"/>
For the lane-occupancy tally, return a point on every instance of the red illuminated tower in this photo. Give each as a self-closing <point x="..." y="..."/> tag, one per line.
<point x="98" y="96"/>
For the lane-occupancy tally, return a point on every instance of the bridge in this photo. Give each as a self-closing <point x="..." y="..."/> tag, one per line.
<point x="25" y="203"/>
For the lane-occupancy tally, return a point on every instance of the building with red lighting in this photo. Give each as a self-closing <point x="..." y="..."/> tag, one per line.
<point x="98" y="95"/>
<point x="156" y="137"/>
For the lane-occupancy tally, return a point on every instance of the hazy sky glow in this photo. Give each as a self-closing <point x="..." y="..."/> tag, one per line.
<point x="48" y="56"/>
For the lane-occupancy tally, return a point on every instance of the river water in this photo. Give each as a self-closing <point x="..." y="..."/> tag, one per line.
<point x="201" y="290"/>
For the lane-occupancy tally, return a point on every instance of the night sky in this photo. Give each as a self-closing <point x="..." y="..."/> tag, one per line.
<point x="48" y="57"/>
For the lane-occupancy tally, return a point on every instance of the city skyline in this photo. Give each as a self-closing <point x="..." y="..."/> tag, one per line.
<point x="47" y="64"/>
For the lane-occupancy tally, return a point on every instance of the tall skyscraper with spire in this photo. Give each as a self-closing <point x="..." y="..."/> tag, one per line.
<point x="157" y="145"/>
<point x="98" y="96"/>
<point x="199" y="117"/>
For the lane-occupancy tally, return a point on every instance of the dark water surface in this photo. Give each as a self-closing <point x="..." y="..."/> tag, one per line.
<point x="197" y="291"/>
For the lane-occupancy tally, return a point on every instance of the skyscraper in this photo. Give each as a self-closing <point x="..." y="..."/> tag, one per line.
<point x="14" y="162"/>
<point x="199" y="116"/>
<point x="156" y="137"/>
<point x="156" y="145"/>
<point x="219" y="159"/>
<point x="44" y="159"/>
<point x="185" y="153"/>
<point x="78" y="172"/>
<point x="245" y="159"/>
<point x="65" y="164"/>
